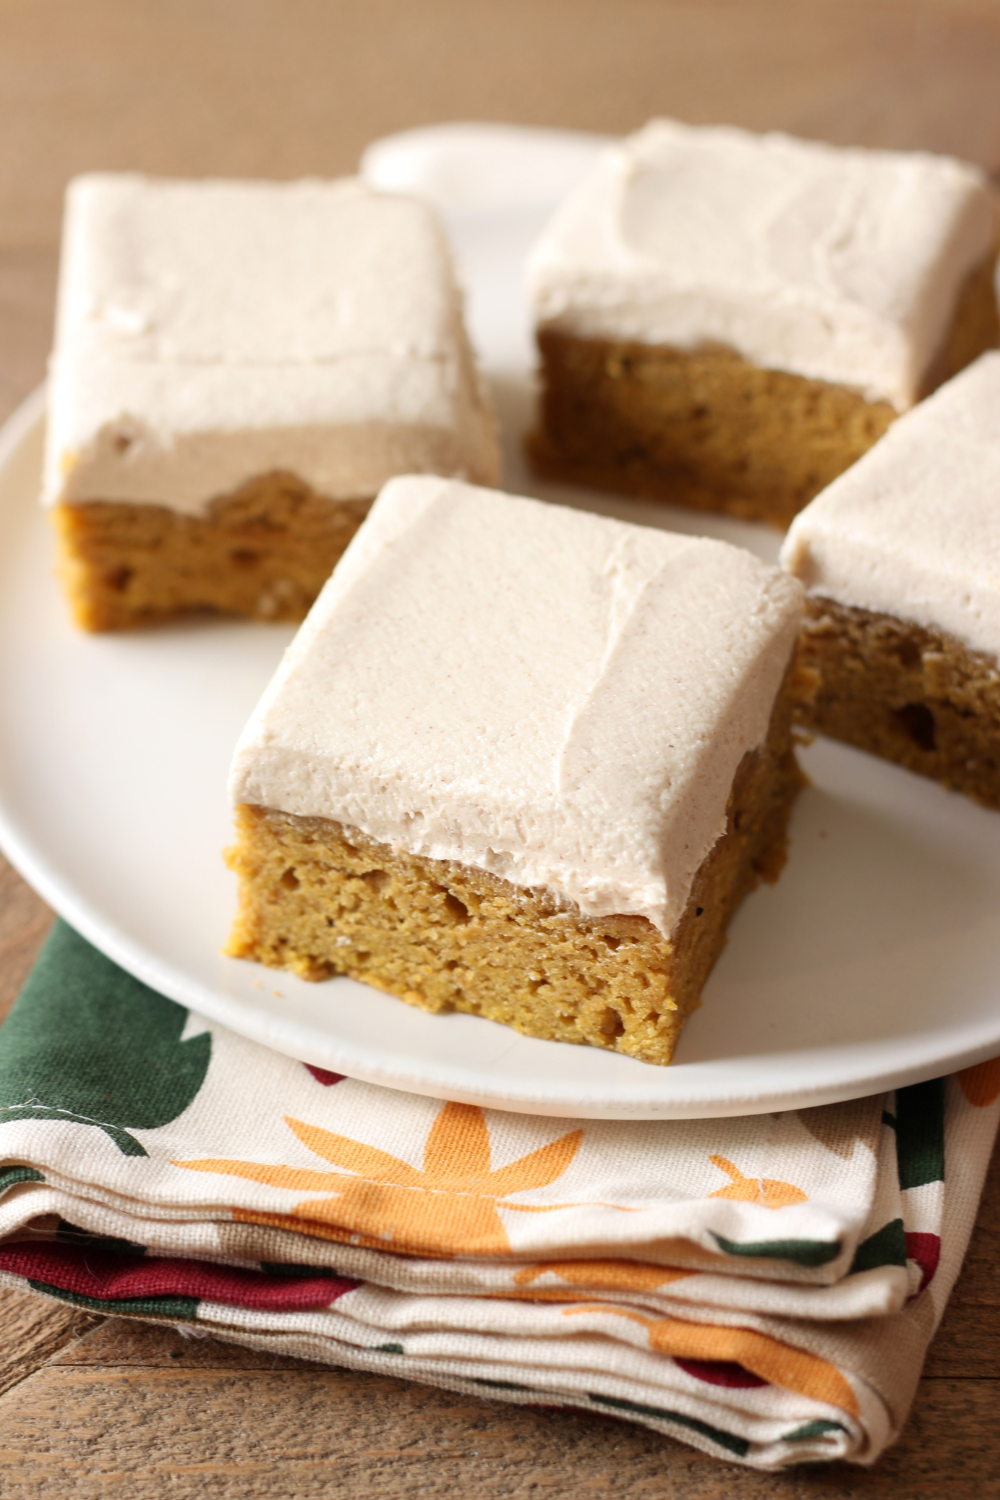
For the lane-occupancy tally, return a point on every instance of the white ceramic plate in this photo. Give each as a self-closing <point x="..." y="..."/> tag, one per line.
<point x="874" y="961"/>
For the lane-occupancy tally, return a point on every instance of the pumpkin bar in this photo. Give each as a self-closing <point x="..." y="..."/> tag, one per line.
<point x="728" y="321"/>
<point x="238" y="368"/>
<point x="900" y="649"/>
<point x="523" y="762"/>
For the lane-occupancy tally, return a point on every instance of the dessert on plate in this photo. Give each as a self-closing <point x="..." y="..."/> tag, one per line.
<point x="238" y="368"/>
<point x="520" y="761"/>
<point x="729" y="321"/>
<point x="900" y="556"/>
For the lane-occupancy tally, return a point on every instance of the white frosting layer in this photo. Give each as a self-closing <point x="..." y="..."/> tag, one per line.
<point x="208" y="332"/>
<point x="552" y="696"/>
<point x="840" y="265"/>
<point x="913" y="529"/>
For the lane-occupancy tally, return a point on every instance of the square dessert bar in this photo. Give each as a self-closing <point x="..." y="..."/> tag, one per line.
<point x="901" y="559"/>
<point x="523" y="762"/>
<point x="238" y="368"/>
<point x="728" y="321"/>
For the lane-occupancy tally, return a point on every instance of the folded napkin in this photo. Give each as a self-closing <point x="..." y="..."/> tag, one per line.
<point x="764" y="1288"/>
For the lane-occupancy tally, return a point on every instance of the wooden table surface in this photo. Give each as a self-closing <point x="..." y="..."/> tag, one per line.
<point x="100" y="1407"/>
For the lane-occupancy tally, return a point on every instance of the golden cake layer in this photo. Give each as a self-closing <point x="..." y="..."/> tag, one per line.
<point x="914" y="695"/>
<point x="264" y="552"/>
<point x="320" y="899"/>
<point x="709" y="429"/>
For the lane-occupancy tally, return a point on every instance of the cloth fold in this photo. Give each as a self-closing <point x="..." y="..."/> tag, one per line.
<point x="764" y="1288"/>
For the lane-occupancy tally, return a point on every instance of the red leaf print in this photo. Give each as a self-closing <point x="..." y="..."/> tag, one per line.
<point x="720" y="1372"/>
<point x="925" y="1249"/>
<point x="324" y="1077"/>
<point x="91" y="1272"/>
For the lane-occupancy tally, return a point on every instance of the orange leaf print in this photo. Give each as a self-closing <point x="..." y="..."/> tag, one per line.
<point x="770" y="1191"/>
<point x="448" y="1207"/>
<point x="981" y="1083"/>
<point x="596" y="1276"/>
<point x="366" y="1161"/>
<point x="458" y="1145"/>
<point x="777" y="1363"/>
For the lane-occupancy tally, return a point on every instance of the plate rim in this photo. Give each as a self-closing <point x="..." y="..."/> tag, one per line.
<point x="456" y="1082"/>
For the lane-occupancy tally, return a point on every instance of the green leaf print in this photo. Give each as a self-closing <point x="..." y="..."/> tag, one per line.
<point x="728" y="1440"/>
<point x="141" y="1307"/>
<point x="819" y="1428"/>
<point x="802" y="1252"/>
<point x="886" y="1247"/>
<point x="88" y="1043"/>
<point x="10" y="1176"/>
<point x="69" y="1234"/>
<point x="920" y="1133"/>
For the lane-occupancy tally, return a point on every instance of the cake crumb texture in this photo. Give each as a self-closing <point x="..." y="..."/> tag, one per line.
<point x="320" y="899"/>
<point x="708" y="429"/>
<point x="262" y="552"/>
<point x="703" y="429"/>
<point x="913" y="695"/>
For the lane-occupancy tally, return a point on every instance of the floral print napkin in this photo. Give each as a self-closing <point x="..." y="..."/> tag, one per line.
<point x="763" y="1288"/>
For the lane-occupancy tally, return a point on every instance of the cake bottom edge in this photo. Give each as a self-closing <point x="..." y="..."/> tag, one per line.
<point x="319" y="899"/>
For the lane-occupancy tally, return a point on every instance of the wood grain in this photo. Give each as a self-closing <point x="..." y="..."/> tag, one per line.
<point x="105" y="1408"/>
<point x="27" y="294"/>
<point x="24" y="921"/>
<point x="34" y="1330"/>
<point x="284" y="87"/>
<point x="238" y="1429"/>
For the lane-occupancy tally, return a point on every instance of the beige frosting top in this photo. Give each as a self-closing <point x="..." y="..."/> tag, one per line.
<point x="840" y="265"/>
<point x="208" y="332"/>
<point x="913" y="529"/>
<point x="555" y="697"/>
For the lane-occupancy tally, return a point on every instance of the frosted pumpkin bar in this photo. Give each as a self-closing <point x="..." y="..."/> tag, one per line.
<point x="520" y="761"/>
<point x="238" y="368"/>
<point x="729" y="321"/>
<point x="900" y="646"/>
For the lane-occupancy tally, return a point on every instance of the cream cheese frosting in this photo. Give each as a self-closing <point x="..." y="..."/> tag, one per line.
<point x="555" y="697"/>
<point x="842" y="265"/>
<point x="913" y="529"/>
<point x="211" y="331"/>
